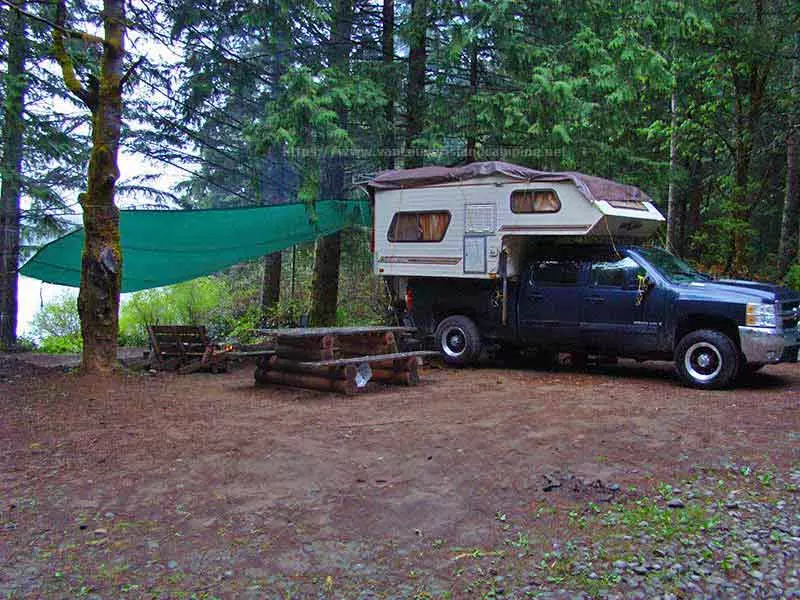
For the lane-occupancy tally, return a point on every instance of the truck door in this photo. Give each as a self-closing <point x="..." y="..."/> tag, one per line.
<point x="549" y="303"/>
<point x="613" y="309"/>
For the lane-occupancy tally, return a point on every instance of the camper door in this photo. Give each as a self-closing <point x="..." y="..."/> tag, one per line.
<point x="479" y="227"/>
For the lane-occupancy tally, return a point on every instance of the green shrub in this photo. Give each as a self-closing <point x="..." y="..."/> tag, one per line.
<point x="61" y="344"/>
<point x="58" y="318"/>
<point x="56" y="328"/>
<point x="243" y="329"/>
<point x="793" y="277"/>
<point x="132" y="336"/>
<point x="202" y="301"/>
<point x="287" y="313"/>
<point x="143" y="309"/>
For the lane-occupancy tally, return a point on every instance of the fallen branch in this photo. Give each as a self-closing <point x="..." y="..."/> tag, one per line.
<point x="377" y="423"/>
<point x="478" y="553"/>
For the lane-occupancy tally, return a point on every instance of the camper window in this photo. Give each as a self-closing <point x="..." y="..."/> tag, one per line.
<point x="534" y="201"/>
<point x="630" y="204"/>
<point x="419" y="226"/>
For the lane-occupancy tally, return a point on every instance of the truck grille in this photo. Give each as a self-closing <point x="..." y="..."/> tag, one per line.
<point x="790" y="314"/>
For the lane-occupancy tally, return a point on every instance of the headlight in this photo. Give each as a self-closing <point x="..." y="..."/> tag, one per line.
<point x="761" y="315"/>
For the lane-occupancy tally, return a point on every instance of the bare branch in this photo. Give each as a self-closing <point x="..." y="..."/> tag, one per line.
<point x="74" y="34"/>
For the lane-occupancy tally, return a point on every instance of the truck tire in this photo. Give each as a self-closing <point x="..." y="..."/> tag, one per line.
<point x="458" y="339"/>
<point x="707" y="359"/>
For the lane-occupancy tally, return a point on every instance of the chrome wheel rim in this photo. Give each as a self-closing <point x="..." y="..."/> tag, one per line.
<point x="702" y="361"/>
<point x="454" y="342"/>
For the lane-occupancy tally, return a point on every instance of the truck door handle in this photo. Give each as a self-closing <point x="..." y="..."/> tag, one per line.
<point x="595" y="299"/>
<point x="535" y="295"/>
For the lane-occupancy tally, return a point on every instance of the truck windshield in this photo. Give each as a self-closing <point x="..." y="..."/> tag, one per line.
<point x="671" y="267"/>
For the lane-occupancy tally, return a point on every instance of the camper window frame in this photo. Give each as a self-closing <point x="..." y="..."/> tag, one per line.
<point x="534" y="212"/>
<point x="418" y="213"/>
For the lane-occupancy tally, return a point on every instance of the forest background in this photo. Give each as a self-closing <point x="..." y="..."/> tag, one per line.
<point x="253" y="103"/>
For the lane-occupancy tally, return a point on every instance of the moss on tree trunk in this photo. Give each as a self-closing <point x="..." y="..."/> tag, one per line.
<point x="101" y="265"/>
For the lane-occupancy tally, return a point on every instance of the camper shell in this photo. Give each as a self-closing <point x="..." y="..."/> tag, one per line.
<point x="477" y="221"/>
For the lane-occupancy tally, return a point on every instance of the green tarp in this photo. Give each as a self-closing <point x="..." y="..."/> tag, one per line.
<point x="160" y="247"/>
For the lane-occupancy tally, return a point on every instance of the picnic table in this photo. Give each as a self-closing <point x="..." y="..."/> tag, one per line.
<point x="342" y="359"/>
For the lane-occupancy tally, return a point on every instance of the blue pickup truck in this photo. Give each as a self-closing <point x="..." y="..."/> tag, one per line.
<point x="627" y="302"/>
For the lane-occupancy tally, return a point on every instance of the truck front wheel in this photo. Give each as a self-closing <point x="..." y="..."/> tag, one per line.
<point x="707" y="359"/>
<point x="458" y="339"/>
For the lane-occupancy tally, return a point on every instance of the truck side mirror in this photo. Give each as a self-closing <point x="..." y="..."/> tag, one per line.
<point x="643" y="286"/>
<point x="632" y="279"/>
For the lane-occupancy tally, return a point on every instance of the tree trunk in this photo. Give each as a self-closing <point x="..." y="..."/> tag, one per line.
<point x="325" y="286"/>
<point x="473" y="87"/>
<point x="790" y="202"/>
<point x="741" y="234"/>
<point x="101" y="263"/>
<point x="325" y="283"/>
<point x="271" y="278"/>
<point x="388" y="63"/>
<point x="680" y="223"/>
<point x="270" y="284"/>
<point x="10" y="171"/>
<point x="417" y="61"/>
<point x="673" y="168"/>
<point x="691" y="220"/>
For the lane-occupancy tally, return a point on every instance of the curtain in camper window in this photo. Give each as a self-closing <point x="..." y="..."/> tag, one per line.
<point x="534" y="201"/>
<point x="419" y="226"/>
<point x="433" y="226"/>
<point x="404" y="228"/>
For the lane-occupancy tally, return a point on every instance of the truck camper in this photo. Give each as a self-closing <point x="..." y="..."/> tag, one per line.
<point x="495" y="254"/>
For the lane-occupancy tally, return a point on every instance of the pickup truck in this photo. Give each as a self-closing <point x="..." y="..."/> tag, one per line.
<point x="626" y="302"/>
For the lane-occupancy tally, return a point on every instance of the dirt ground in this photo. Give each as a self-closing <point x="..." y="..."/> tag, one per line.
<point x="162" y="485"/>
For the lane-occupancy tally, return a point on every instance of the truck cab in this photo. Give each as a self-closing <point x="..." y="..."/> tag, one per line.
<point x="628" y="302"/>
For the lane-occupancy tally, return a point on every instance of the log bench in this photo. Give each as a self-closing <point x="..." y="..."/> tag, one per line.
<point x="340" y="359"/>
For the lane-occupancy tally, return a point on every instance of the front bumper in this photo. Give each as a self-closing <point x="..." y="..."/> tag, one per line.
<point x="760" y="345"/>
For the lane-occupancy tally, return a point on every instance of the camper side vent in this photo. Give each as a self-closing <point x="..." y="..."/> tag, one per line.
<point x="479" y="218"/>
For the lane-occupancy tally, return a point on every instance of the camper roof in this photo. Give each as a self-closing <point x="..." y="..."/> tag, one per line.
<point x="594" y="188"/>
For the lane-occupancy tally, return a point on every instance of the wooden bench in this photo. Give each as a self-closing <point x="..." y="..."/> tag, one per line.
<point x="184" y="348"/>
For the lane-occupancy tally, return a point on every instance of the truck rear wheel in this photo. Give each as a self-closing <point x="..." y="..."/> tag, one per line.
<point x="458" y="339"/>
<point x="707" y="359"/>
